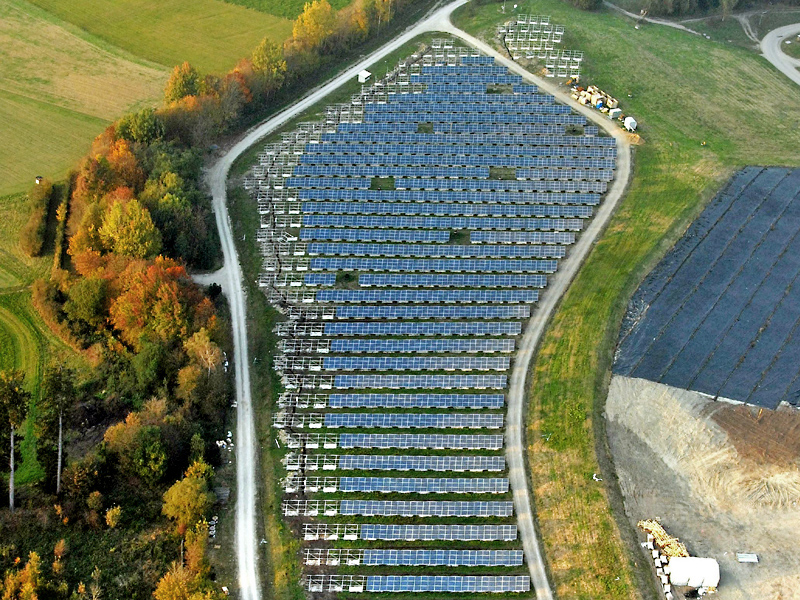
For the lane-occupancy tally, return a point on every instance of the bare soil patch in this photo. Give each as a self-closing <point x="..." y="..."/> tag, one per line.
<point x="724" y="478"/>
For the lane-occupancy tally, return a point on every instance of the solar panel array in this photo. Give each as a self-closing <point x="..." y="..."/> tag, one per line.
<point x="406" y="239"/>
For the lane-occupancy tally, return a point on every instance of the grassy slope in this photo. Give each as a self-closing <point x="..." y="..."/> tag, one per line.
<point x="288" y="9"/>
<point x="685" y="90"/>
<point x="57" y="92"/>
<point x="211" y="34"/>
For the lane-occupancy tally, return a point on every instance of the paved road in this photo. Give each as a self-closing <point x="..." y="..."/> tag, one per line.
<point x="771" y="49"/>
<point x="230" y="277"/>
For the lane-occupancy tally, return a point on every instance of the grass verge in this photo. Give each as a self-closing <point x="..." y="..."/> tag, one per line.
<point x="694" y="101"/>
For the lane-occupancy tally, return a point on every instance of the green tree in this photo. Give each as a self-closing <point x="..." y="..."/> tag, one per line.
<point x="58" y="394"/>
<point x="128" y="229"/>
<point x="187" y="502"/>
<point x="144" y="126"/>
<point x="269" y="66"/>
<point x="86" y="302"/>
<point x="14" y="404"/>
<point x="184" y="81"/>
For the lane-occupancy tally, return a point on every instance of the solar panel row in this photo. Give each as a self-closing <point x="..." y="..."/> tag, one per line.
<point x="513" y="311"/>
<point x="444" y="558"/>
<point x="478" y="533"/>
<point x="375" y="235"/>
<point x="449" y="250"/>
<point x="376" y="346"/>
<point x="439" y="281"/>
<point x="477" y="210"/>
<point x="372" y="462"/>
<point x="414" y="328"/>
<point x="446" y="583"/>
<point x="416" y="401"/>
<point x="429" y="296"/>
<point x="426" y="508"/>
<point x="420" y="441"/>
<point x="421" y="382"/>
<point x="414" y="420"/>
<point x="523" y="223"/>
<point x="416" y="363"/>
<point x="440" y="265"/>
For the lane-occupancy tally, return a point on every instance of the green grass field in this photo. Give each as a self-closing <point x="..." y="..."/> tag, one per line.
<point x="685" y="90"/>
<point x="288" y="9"/>
<point x="211" y="34"/>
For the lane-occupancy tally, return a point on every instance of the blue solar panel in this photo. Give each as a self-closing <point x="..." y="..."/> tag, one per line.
<point x="387" y="171"/>
<point x="413" y="328"/>
<point x="427" y="508"/>
<point x="439" y="281"/>
<point x="478" y="533"/>
<point x="329" y="182"/>
<point x="430" y="296"/>
<point x="522" y="237"/>
<point x="446" y="583"/>
<point x="415" y="420"/>
<point x="468" y="210"/>
<point x="391" y="462"/>
<point x="420" y="441"/>
<point x="450" y="250"/>
<point x="375" y="235"/>
<point x="391" y="346"/>
<point x="463" y="196"/>
<point x="417" y="363"/>
<point x="320" y="278"/>
<point x="416" y="400"/>
<point x="424" y="485"/>
<point x="433" y="312"/>
<point x="412" y="382"/>
<point x="443" y="558"/>
<point x="449" y="223"/>
<point x="439" y="265"/>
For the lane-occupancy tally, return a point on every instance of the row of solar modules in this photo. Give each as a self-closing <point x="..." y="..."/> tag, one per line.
<point x="375" y="235"/>
<point x="445" y="583"/>
<point x="443" y="117"/>
<point x="414" y="420"/>
<point x="413" y="328"/>
<point x="400" y="197"/>
<point x="467" y="280"/>
<point x="416" y="363"/>
<point x="497" y="133"/>
<point x="375" y="346"/>
<point x="447" y="223"/>
<point x="405" y="183"/>
<point x="598" y="174"/>
<point x="399" y="235"/>
<point x="311" y="207"/>
<point x="426" y="508"/>
<point x="479" y="533"/>
<point x="501" y="110"/>
<point x="455" y="158"/>
<point x="428" y="296"/>
<point x="421" y="382"/>
<point x="375" y="531"/>
<point x="485" y="98"/>
<point x="420" y="441"/>
<point x="470" y="80"/>
<point x="406" y="485"/>
<point x="388" y="171"/>
<point x="454" y="250"/>
<point x="383" y="462"/>
<point x="475" y="401"/>
<point x="449" y="558"/>
<point x="465" y="69"/>
<point x="440" y="265"/>
<point x="514" y="311"/>
<point x="432" y="143"/>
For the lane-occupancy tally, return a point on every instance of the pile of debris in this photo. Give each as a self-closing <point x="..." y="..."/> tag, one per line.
<point x="605" y="103"/>
<point x="674" y="566"/>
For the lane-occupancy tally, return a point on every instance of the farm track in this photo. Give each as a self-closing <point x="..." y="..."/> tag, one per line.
<point x="232" y="283"/>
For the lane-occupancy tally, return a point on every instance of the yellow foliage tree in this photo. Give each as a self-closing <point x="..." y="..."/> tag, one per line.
<point x="314" y="25"/>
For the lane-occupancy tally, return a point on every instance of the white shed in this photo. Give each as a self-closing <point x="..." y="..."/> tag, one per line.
<point x="630" y="123"/>
<point x="363" y="76"/>
<point x="694" y="571"/>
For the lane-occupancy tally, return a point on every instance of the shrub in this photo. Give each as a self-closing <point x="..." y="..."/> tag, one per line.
<point x="33" y="233"/>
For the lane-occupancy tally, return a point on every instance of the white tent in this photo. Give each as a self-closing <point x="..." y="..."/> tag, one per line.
<point x="694" y="571"/>
<point x="363" y="76"/>
<point x="630" y="123"/>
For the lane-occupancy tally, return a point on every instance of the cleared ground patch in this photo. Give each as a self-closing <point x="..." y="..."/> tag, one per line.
<point x="210" y="34"/>
<point x="722" y="478"/>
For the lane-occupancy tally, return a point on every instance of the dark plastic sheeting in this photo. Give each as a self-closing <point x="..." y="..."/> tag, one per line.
<point x="721" y="313"/>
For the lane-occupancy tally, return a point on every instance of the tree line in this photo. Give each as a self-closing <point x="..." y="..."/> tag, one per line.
<point x="127" y="447"/>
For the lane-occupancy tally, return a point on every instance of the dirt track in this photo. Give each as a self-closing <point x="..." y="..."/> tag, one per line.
<point x="723" y="478"/>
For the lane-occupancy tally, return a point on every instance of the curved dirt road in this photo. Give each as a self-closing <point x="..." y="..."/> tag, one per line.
<point x="771" y="49"/>
<point x="231" y="279"/>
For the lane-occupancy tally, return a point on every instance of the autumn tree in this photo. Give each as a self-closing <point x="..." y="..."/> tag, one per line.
<point x="58" y="393"/>
<point x="128" y="229"/>
<point x="14" y="403"/>
<point x="138" y="445"/>
<point x="269" y="68"/>
<point x="184" y="81"/>
<point x="187" y="501"/>
<point x="201" y="348"/>
<point x="313" y="26"/>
